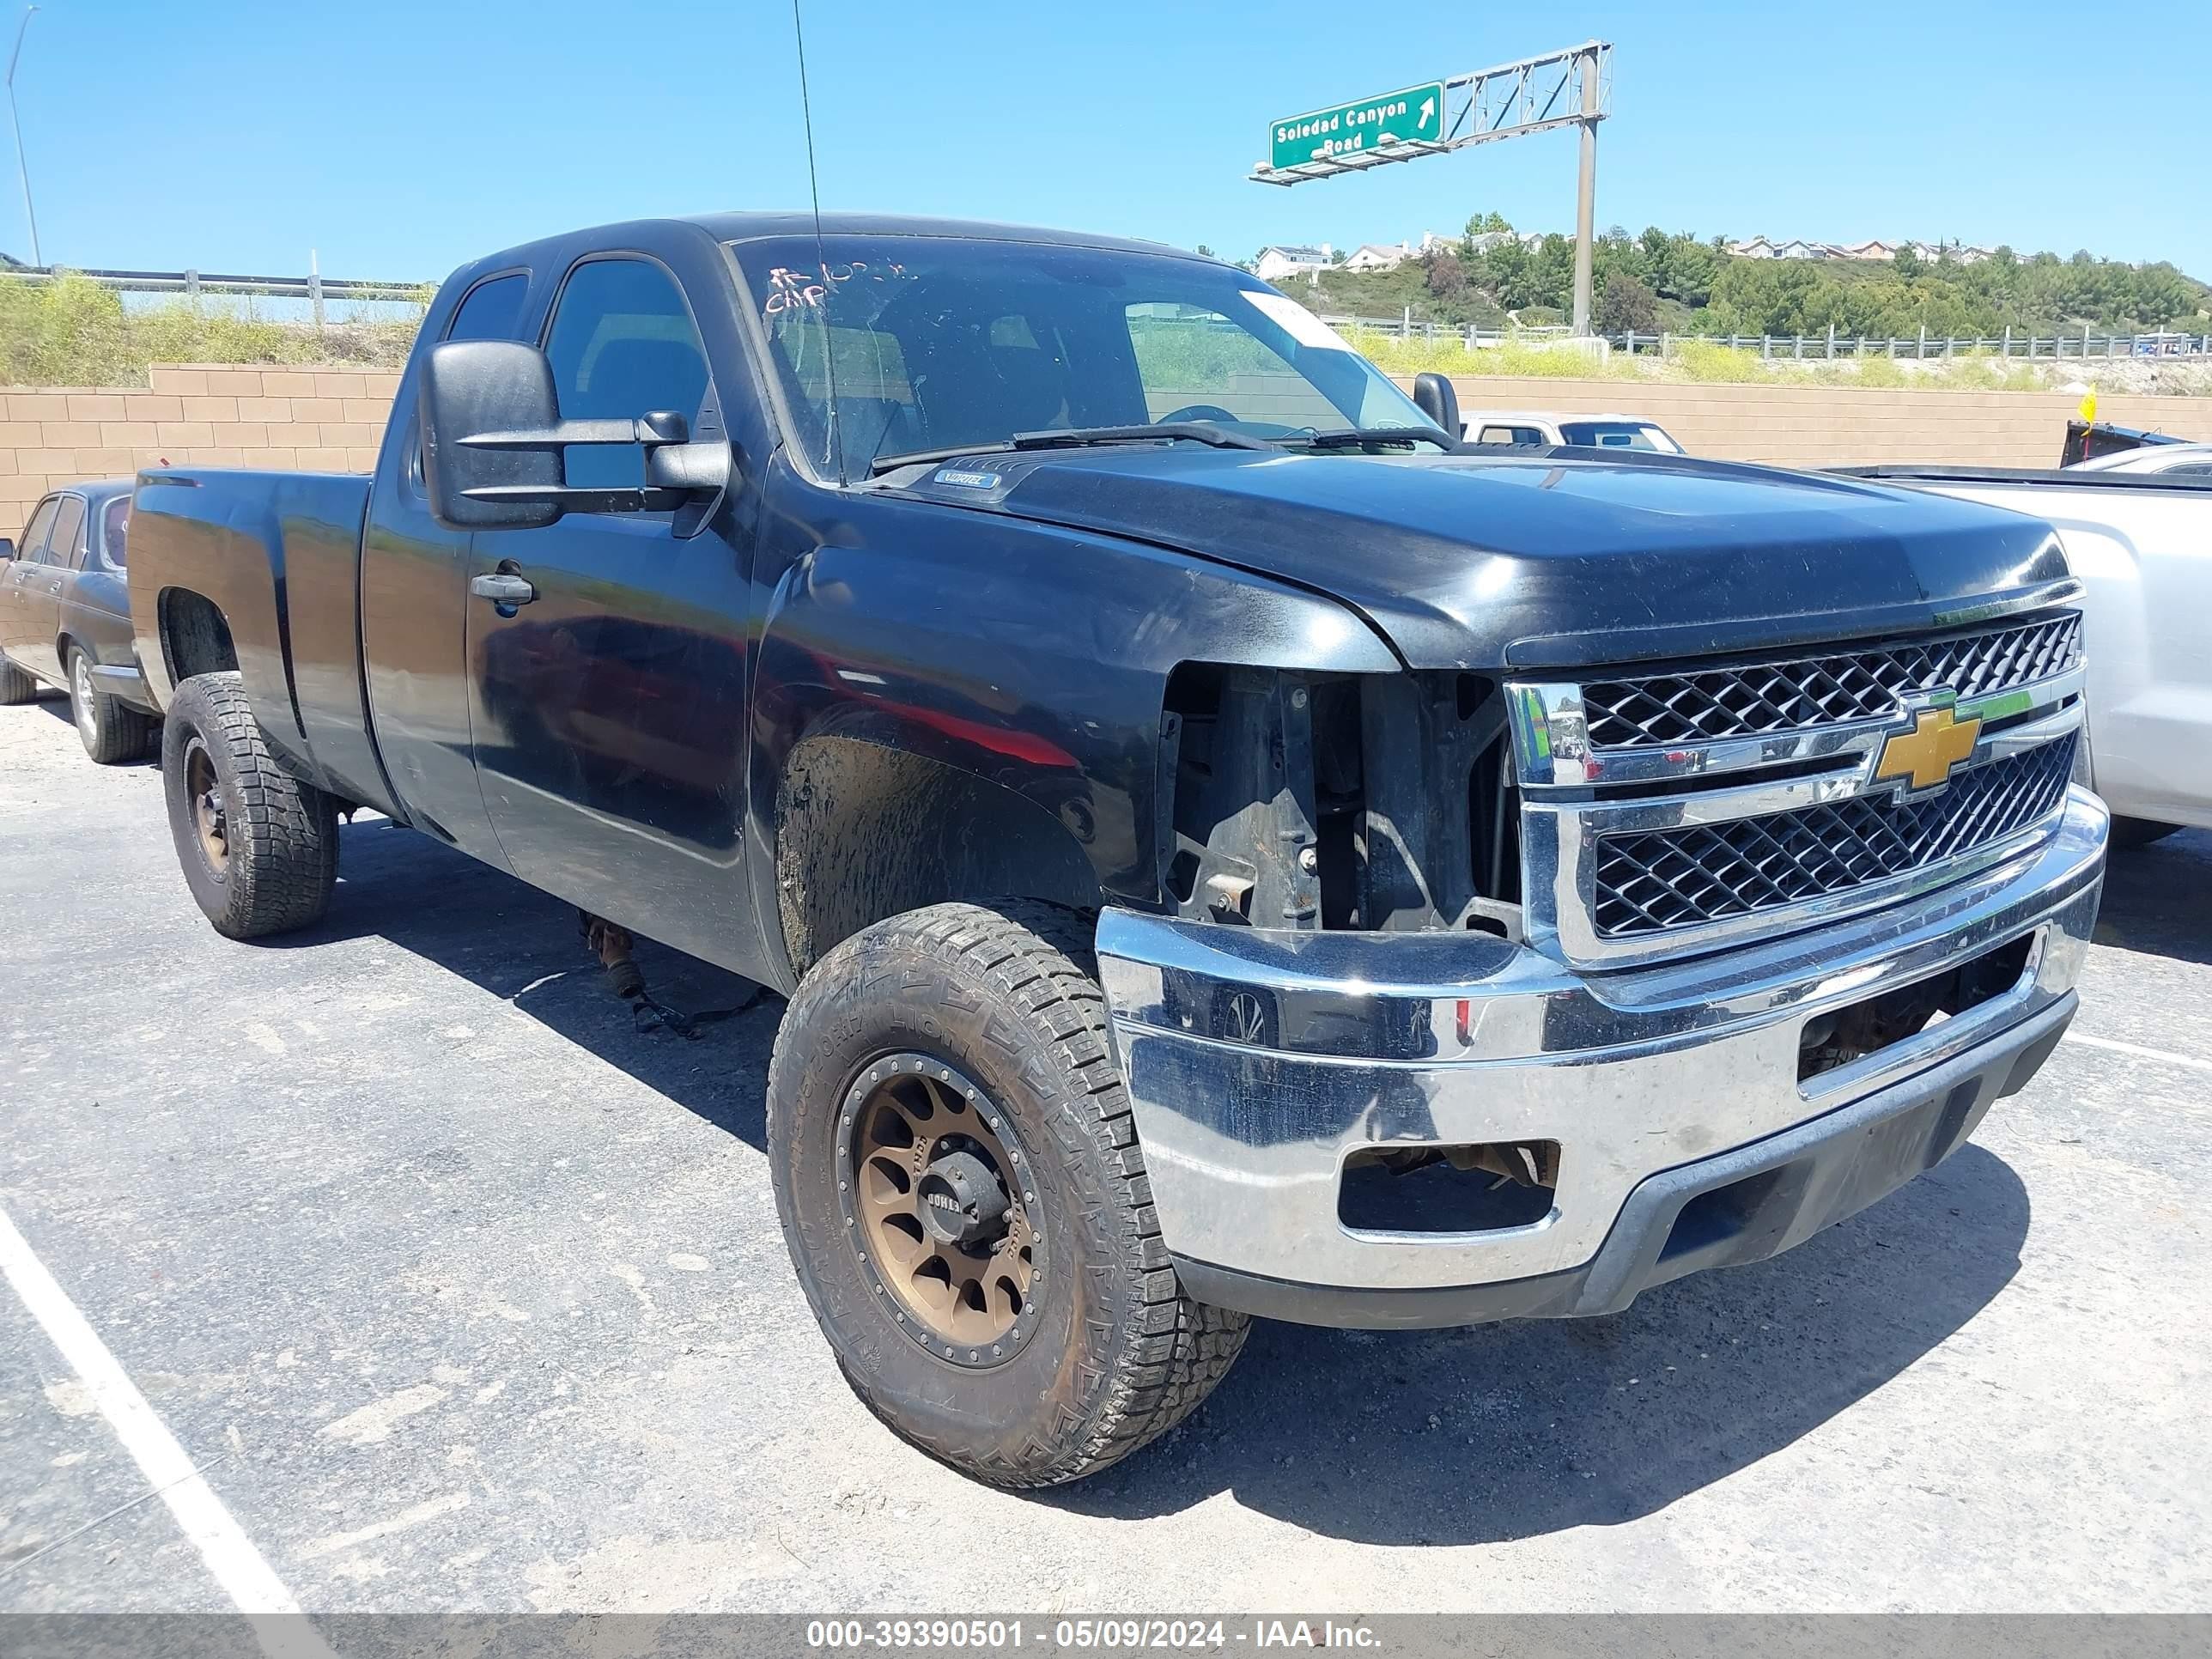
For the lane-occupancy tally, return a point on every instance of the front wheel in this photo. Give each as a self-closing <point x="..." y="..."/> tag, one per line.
<point x="110" y="728"/>
<point x="260" y="847"/>
<point x="960" y="1185"/>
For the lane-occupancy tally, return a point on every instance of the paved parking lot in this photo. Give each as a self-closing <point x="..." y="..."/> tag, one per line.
<point x="462" y="1292"/>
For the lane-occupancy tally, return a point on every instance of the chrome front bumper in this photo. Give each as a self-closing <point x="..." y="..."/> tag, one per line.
<point x="1259" y="1062"/>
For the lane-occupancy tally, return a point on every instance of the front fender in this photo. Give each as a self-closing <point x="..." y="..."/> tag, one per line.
<point x="1028" y="661"/>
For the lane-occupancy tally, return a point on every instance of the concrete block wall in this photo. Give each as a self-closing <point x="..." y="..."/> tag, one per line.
<point x="332" y="420"/>
<point x="316" y="419"/>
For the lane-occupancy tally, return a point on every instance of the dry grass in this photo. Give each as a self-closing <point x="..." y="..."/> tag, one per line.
<point x="75" y="332"/>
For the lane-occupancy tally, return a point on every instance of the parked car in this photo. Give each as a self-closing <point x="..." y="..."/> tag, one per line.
<point x="65" y="618"/>
<point x="2183" y="460"/>
<point x="2136" y="527"/>
<point x="1228" y="849"/>
<point x="1526" y="426"/>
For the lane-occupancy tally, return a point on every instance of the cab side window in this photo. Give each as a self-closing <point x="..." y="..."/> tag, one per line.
<point x="492" y="310"/>
<point x="622" y="344"/>
<point x="69" y="526"/>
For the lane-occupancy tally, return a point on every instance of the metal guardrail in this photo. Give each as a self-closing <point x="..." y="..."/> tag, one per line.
<point x="1816" y="347"/>
<point x="314" y="288"/>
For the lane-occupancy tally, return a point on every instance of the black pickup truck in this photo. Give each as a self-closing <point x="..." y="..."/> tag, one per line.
<point x="1229" y="848"/>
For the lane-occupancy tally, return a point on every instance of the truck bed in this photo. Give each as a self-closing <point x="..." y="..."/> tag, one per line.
<point x="279" y="554"/>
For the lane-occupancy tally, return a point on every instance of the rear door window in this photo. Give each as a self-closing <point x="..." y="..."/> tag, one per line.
<point x="622" y="345"/>
<point x="69" y="525"/>
<point x="1619" y="435"/>
<point x="35" y="533"/>
<point x="492" y="310"/>
<point x="1511" y="434"/>
<point x="115" y="521"/>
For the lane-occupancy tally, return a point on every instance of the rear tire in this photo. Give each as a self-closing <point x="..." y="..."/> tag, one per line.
<point x="2140" y="832"/>
<point x="1106" y="1352"/>
<point x="258" y="847"/>
<point x="110" y="728"/>
<point x="16" y="686"/>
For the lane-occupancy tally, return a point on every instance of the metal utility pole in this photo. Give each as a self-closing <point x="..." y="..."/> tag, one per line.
<point x="22" y="167"/>
<point x="1586" y="190"/>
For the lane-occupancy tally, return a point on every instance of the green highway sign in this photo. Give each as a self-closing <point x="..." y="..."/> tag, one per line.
<point x="1417" y="114"/>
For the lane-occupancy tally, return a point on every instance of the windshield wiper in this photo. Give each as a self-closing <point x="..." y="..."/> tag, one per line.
<point x="1079" y="437"/>
<point x="1353" y="437"/>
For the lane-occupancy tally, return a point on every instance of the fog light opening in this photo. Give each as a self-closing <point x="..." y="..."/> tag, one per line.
<point x="1483" y="1187"/>
<point x="1841" y="1036"/>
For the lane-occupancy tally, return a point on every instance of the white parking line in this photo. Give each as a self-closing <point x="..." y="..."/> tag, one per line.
<point x="2138" y="1050"/>
<point x="239" y="1567"/>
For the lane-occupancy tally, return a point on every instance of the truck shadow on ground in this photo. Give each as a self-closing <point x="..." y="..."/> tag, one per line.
<point x="524" y="947"/>
<point x="1449" y="1437"/>
<point x="1504" y="1432"/>
<point x="2159" y="898"/>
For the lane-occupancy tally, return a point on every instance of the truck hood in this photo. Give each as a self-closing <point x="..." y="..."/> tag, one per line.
<point x="1533" y="561"/>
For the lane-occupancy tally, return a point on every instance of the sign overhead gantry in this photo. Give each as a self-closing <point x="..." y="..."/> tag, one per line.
<point x="1573" y="88"/>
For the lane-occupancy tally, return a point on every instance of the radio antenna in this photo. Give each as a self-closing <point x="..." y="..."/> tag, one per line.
<point x="833" y="450"/>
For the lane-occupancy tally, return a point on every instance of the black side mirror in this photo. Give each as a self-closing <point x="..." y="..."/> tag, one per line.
<point x="1439" y="398"/>
<point x="493" y="439"/>
<point x="7" y="548"/>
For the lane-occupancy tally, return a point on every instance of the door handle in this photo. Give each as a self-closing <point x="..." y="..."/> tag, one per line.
<point x="502" y="588"/>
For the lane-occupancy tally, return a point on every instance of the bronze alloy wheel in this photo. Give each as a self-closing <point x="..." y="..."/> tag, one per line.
<point x="203" y="793"/>
<point x="939" y="1195"/>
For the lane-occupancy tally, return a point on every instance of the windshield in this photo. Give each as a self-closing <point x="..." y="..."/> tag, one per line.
<point x="894" y="345"/>
<point x="1619" y="435"/>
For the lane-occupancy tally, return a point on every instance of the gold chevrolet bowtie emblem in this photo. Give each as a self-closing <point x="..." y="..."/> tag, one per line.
<point x="1925" y="755"/>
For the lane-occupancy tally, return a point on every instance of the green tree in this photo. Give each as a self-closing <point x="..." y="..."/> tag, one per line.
<point x="1550" y="276"/>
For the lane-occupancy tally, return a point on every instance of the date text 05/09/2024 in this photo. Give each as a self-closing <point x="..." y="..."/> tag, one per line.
<point x="1111" y="1635"/>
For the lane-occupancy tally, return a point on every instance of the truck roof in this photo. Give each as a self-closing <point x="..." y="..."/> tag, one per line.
<point x="751" y="224"/>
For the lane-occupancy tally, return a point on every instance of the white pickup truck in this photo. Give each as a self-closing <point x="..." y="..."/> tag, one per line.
<point x="2141" y="543"/>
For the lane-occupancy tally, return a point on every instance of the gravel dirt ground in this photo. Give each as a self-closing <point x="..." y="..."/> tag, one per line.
<point x="464" y="1293"/>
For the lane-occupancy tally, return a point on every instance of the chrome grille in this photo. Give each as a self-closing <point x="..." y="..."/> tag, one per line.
<point x="1855" y="682"/>
<point x="1658" y="881"/>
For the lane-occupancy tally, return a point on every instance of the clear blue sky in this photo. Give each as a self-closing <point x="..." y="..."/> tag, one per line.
<point x="401" y="138"/>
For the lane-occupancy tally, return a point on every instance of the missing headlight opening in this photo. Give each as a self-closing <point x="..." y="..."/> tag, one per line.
<point x="1377" y="802"/>
<point x="1843" y="1034"/>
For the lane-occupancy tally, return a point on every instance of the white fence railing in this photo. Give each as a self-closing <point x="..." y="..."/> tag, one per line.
<point x="1834" y="343"/>
<point x="392" y="300"/>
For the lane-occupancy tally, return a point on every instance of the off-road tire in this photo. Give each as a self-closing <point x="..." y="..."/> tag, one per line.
<point x="282" y="834"/>
<point x="1003" y="993"/>
<point x="2140" y="832"/>
<point x="15" y="685"/>
<point x="111" y="729"/>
